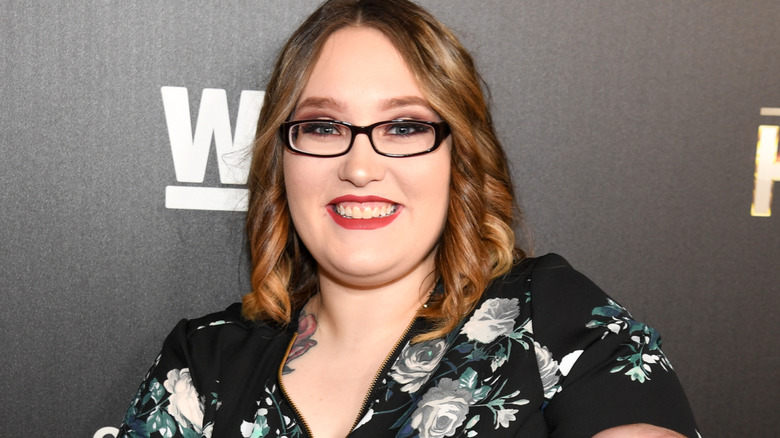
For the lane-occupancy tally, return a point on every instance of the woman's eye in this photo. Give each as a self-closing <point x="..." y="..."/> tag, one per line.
<point x="406" y="129"/>
<point x="324" y="129"/>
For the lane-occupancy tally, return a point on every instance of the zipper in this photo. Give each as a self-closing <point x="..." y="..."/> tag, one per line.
<point x="284" y="391"/>
<point x="379" y="372"/>
<point x="366" y="399"/>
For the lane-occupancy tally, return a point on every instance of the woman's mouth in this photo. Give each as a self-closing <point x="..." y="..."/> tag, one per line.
<point x="363" y="212"/>
<point x="352" y="210"/>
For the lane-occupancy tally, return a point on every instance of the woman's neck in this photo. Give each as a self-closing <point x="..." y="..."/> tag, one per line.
<point x="351" y="315"/>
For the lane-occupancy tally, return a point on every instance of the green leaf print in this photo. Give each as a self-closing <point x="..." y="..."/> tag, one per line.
<point x="645" y="345"/>
<point x="157" y="391"/>
<point x="189" y="433"/>
<point x="162" y="422"/>
<point x="468" y="379"/>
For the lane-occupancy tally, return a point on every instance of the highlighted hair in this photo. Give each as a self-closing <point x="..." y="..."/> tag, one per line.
<point x="477" y="244"/>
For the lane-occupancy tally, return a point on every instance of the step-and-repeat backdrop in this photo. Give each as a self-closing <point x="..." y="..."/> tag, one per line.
<point x="644" y="145"/>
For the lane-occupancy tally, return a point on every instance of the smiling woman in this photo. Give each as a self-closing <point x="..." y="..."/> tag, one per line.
<point x="399" y="249"/>
<point x="388" y="297"/>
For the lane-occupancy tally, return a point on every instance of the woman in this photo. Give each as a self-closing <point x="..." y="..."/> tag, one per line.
<point x="388" y="298"/>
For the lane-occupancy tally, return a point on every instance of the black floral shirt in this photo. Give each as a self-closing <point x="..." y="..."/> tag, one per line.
<point x="544" y="353"/>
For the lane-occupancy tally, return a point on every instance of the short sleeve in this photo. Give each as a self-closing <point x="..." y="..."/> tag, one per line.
<point x="167" y="404"/>
<point x="607" y="368"/>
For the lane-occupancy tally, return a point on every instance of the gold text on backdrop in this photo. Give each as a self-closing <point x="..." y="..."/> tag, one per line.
<point x="767" y="165"/>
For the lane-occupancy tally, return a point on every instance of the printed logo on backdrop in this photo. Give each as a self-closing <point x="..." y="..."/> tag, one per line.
<point x="767" y="165"/>
<point x="190" y="152"/>
<point x="190" y="148"/>
<point x="104" y="432"/>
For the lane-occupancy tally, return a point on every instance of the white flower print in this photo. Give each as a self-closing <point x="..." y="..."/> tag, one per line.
<point x="208" y="430"/>
<point x="568" y="362"/>
<point x="185" y="405"/>
<point x="247" y="428"/>
<point x="548" y="370"/>
<point x="494" y="318"/>
<point x="366" y="418"/>
<point x="505" y="416"/>
<point x="259" y="428"/>
<point x="416" y="363"/>
<point x="496" y="362"/>
<point x="442" y="409"/>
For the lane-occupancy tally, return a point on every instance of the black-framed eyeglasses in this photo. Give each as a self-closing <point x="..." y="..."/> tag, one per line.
<point x="390" y="138"/>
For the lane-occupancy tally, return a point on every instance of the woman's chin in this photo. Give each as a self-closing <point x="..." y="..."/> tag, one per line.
<point x="372" y="271"/>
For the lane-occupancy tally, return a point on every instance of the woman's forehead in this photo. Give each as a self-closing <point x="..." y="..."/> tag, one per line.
<point x="358" y="67"/>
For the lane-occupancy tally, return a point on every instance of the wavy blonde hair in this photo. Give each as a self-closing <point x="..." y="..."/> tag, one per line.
<point x="477" y="244"/>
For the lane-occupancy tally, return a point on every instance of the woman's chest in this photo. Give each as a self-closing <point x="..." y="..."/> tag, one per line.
<point x="329" y="393"/>
<point x="482" y="380"/>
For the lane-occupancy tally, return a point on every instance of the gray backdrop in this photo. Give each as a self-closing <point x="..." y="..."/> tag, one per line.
<point x="632" y="129"/>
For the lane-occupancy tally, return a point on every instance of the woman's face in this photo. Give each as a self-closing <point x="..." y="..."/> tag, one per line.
<point x="360" y="78"/>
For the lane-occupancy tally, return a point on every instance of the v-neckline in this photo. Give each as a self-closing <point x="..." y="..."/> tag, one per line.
<point x="411" y="329"/>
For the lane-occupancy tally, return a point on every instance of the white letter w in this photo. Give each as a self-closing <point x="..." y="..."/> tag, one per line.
<point x="190" y="155"/>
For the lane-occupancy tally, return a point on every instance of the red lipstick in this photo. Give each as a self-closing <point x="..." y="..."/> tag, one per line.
<point x="362" y="224"/>
<point x="354" y="198"/>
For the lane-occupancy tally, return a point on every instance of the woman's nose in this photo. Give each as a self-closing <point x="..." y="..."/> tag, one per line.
<point x="362" y="165"/>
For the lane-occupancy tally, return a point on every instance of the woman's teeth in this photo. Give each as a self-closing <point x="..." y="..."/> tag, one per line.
<point x="359" y="212"/>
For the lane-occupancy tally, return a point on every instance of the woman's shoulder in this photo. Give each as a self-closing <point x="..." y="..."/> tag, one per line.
<point x="561" y="302"/>
<point x="206" y="344"/>
<point x="549" y="276"/>
<point x="559" y="289"/>
<point x="229" y="316"/>
<point x="225" y="325"/>
<point x="545" y="265"/>
<point x="605" y="367"/>
<point x="550" y="273"/>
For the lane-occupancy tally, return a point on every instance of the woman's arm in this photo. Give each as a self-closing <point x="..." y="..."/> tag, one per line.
<point x="638" y="431"/>
<point x="611" y="370"/>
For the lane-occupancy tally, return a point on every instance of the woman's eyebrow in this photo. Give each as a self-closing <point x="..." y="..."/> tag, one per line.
<point x="387" y="104"/>
<point x="404" y="101"/>
<point x="318" y="103"/>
